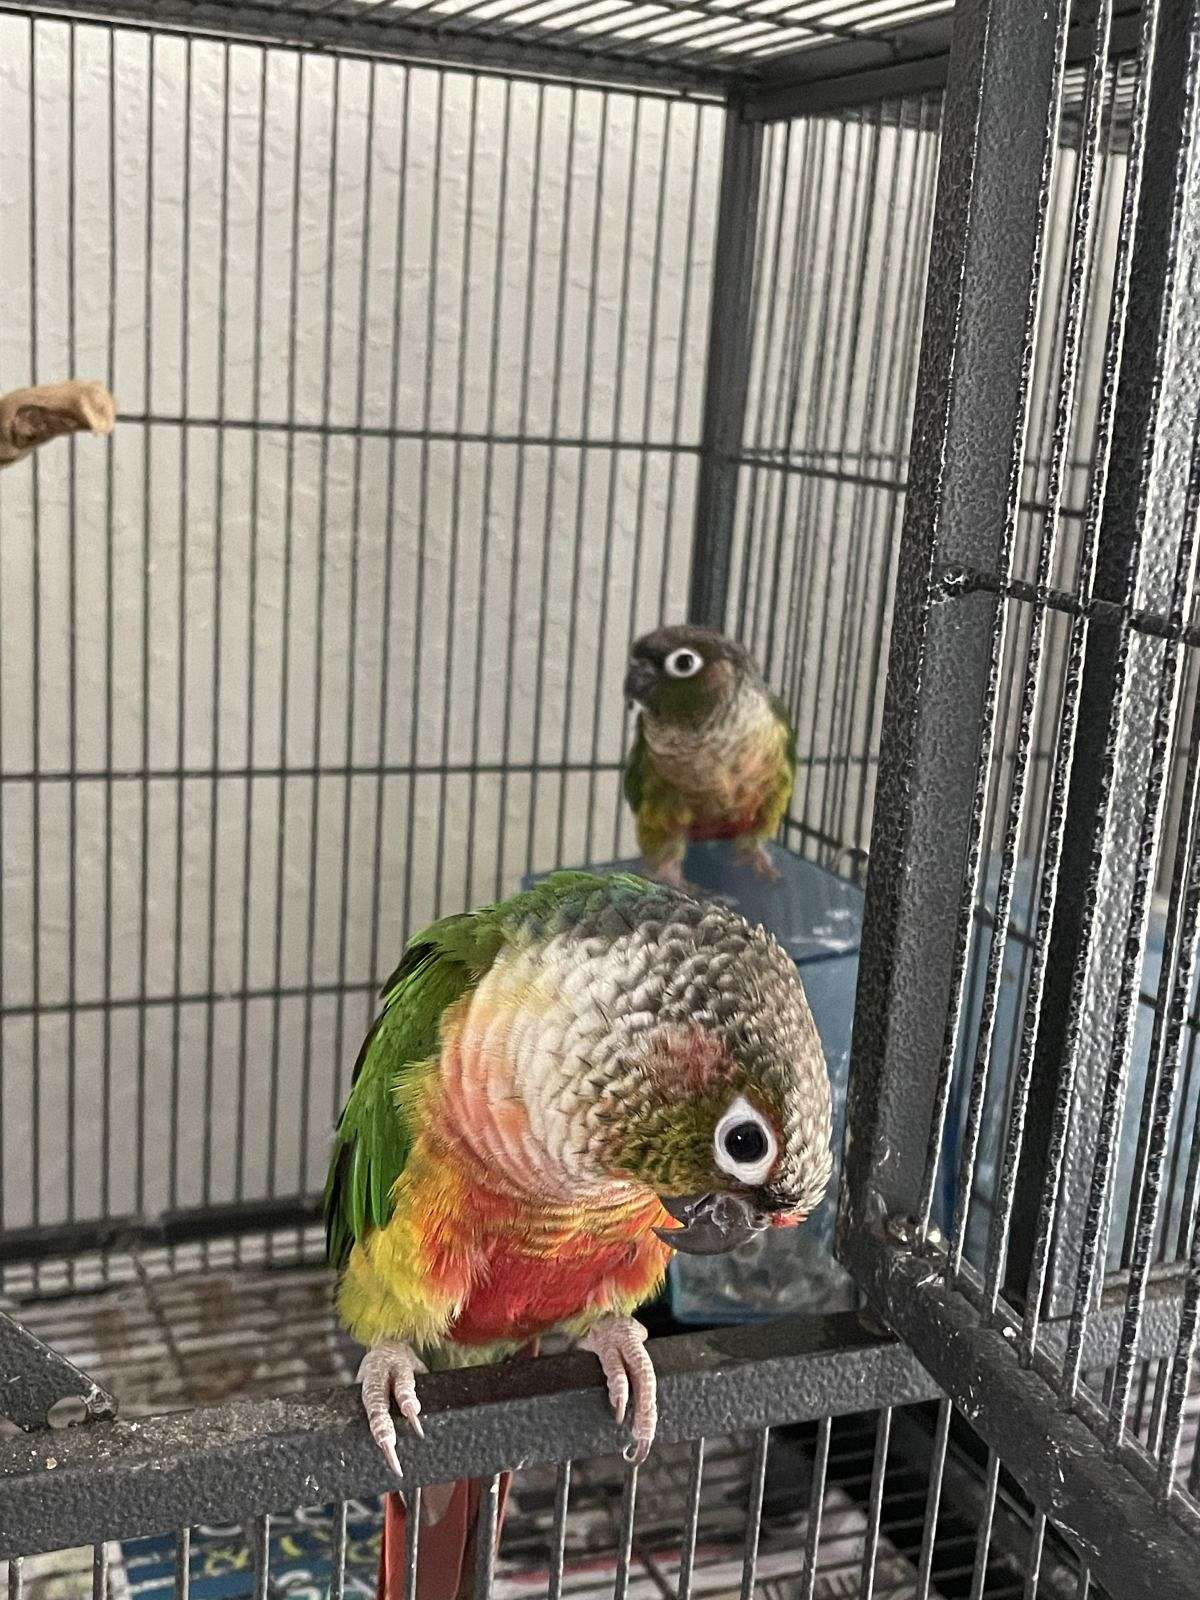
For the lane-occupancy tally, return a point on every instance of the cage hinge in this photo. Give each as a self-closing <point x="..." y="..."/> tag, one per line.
<point x="41" y="1389"/>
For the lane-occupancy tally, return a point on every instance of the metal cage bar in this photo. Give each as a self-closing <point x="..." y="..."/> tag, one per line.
<point x="996" y="120"/>
<point x="946" y="779"/>
<point x="226" y="1463"/>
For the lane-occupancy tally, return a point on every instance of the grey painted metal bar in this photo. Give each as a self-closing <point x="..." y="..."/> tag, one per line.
<point x="1106" y="1512"/>
<point x="1142" y="524"/>
<point x="348" y="34"/>
<point x="190" y="1225"/>
<point x="996" y="114"/>
<point x="859" y="72"/>
<point x="853" y="72"/>
<point x="727" y="380"/>
<point x="231" y="1462"/>
<point x="39" y="1388"/>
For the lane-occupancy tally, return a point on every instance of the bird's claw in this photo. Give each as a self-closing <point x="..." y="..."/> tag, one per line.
<point x="388" y="1372"/>
<point x="619" y="1344"/>
<point x="760" y="863"/>
<point x="671" y="873"/>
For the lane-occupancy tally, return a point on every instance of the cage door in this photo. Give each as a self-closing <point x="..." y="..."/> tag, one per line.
<point x="1021" y="1195"/>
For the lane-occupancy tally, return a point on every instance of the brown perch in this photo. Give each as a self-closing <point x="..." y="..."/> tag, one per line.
<point x="28" y="417"/>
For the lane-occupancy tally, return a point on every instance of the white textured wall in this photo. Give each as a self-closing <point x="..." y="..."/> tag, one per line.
<point x="471" y="257"/>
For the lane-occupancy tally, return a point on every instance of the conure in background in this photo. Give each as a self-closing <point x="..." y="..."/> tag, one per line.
<point x="558" y="1090"/>
<point x="714" y="756"/>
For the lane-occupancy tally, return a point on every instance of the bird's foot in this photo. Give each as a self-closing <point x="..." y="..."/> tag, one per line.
<point x="668" y="872"/>
<point x="619" y="1343"/>
<point x="759" y="861"/>
<point x="671" y="873"/>
<point x="388" y="1372"/>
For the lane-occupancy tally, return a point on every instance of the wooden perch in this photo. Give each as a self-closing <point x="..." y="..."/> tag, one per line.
<point x="28" y="417"/>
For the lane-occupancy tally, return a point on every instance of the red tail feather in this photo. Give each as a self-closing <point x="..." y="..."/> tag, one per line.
<point x="445" y="1548"/>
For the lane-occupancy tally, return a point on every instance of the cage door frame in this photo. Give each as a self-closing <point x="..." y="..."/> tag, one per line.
<point x="926" y="862"/>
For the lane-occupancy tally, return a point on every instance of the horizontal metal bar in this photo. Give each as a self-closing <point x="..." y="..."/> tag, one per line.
<point x="188" y="997"/>
<point x="864" y="71"/>
<point x="359" y="36"/>
<point x="359" y="769"/>
<point x="952" y="580"/>
<point x="1104" y="1510"/>
<point x="39" y="1388"/>
<point x="231" y="1462"/>
<point x="190" y="1225"/>
<point x="365" y="430"/>
<point x="841" y="77"/>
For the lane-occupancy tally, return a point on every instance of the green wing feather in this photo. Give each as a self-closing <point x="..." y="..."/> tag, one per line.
<point x="441" y="964"/>
<point x="635" y="771"/>
<point x="781" y="711"/>
<point x="373" y="1135"/>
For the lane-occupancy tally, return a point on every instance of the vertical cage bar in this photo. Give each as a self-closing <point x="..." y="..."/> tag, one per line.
<point x="399" y="251"/>
<point x="256" y="397"/>
<point x="147" y="568"/>
<point x="691" y="1523"/>
<point x="983" y="1542"/>
<point x="558" y="1540"/>
<point x="758" y="1482"/>
<point x="883" y="1434"/>
<point x="337" y="1575"/>
<point x="1058" y="775"/>
<point x="816" y="1506"/>
<point x="487" y="1526"/>
<point x="99" y="1572"/>
<point x="730" y="335"/>
<point x="1033" y="1561"/>
<point x="35" y="688"/>
<point x="412" y="1541"/>
<point x="260" y="1554"/>
<point x="72" y="655"/>
<point x="1177" y="971"/>
<point x="997" y="110"/>
<point x="214" y="789"/>
<point x="183" y="1563"/>
<point x="1099" y="924"/>
<point x="933" y="1500"/>
<point x="1073" y="312"/>
<point x="625" y="1533"/>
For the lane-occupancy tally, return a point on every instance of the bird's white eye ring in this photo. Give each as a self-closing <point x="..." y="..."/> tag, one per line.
<point x="683" y="663"/>
<point x="744" y="1143"/>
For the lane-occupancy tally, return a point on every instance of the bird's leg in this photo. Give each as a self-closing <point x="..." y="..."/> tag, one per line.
<point x="758" y="858"/>
<point x="619" y="1343"/>
<point x="387" y="1372"/>
<point x="670" y="872"/>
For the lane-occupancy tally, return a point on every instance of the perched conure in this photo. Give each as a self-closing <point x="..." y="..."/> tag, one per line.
<point x="558" y="1089"/>
<point x="714" y="756"/>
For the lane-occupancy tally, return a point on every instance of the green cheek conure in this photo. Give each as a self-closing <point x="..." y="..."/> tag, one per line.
<point x="714" y="756"/>
<point x="558" y="1090"/>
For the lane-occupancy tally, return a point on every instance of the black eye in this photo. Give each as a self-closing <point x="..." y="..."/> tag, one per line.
<point x="745" y="1143"/>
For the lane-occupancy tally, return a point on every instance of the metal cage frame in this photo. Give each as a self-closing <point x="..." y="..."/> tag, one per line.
<point x="962" y="1340"/>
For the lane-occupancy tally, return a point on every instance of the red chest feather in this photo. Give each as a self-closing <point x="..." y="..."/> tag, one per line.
<point x="519" y="1295"/>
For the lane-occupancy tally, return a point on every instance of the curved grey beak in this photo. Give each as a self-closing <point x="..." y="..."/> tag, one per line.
<point x="710" y="1224"/>
<point x="640" y="681"/>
